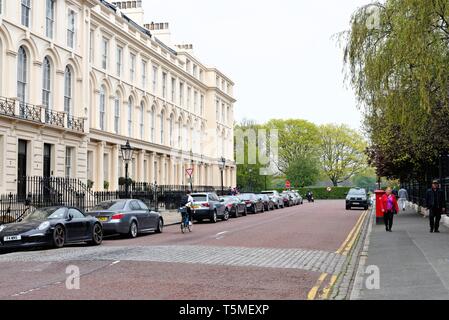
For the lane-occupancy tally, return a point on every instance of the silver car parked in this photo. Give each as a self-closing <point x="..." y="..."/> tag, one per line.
<point x="127" y="217"/>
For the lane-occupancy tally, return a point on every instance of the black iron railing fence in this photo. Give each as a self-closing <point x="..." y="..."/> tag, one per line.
<point x="40" y="114"/>
<point x="417" y="190"/>
<point x="37" y="192"/>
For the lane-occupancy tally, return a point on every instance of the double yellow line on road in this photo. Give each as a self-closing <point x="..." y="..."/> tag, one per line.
<point x="344" y="250"/>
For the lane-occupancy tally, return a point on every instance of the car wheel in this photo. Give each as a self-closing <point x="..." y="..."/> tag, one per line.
<point x="226" y="215"/>
<point x="366" y="207"/>
<point x="133" y="230"/>
<point x="348" y="208"/>
<point x="236" y="212"/>
<point x="59" y="236"/>
<point x="97" y="235"/>
<point x="214" y="217"/>
<point x="160" y="226"/>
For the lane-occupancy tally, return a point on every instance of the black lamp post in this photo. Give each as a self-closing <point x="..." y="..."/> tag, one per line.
<point x="222" y="164"/>
<point x="127" y="156"/>
<point x="191" y="167"/>
<point x="250" y="178"/>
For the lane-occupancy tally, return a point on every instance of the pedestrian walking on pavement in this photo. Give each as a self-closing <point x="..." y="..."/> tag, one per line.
<point x="436" y="203"/>
<point x="389" y="207"/>
<point x="403" y="198"/>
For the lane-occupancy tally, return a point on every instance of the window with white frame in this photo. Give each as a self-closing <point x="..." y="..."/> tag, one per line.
<point x="132" y="66"/>
<point x="217" y="109"/>
<point x="26" y="12"/>
<point x="181" y="94"/>
<point x="102" y="108"/>
<point x="68" y="91"/>
<point x="179" y="132"/>
<point x="195" y="71"/>
<point x="104" y="53"/>
<point x="155" y="73"/>
<point x="91" y="45"/>
<point x="152" y="123"/>
<point x="50" y="18"/>
<point x="195" y="102"/>
<point x="117" y="114"/>
<point x="223" y="109"/>
<point x="202" y="105"/>
<point x="189" y="97"/>
<point x="69" y="162"/>
<point x="71" y="16"/>
<point x="162" y="126"/>
<point x="164" y="85"/>
<point x="22" y="75"/>
<point x="171" y="130"/>
<point x="46" y="83"/>
<point x="173" y="90"/>
<point x="144" y="74"/>
<point x="141" y="119"/>
<point x="130" y="115"/>
<point x="119" y="64"/>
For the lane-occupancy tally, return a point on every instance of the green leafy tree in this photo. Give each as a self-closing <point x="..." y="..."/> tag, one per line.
<point x="342" y="152"/>
<point x="303" y="172"/>
<point x="398" y="68"/>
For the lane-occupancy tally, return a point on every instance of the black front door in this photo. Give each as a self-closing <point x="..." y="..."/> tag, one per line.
<point x="22" y="168"/>
<point x="47" y="160"/>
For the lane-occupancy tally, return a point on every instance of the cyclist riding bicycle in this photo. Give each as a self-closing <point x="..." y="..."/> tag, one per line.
<point x="188" y="203"/>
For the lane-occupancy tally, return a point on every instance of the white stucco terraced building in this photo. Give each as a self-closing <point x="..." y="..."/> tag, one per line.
<point x="81" y="77"/>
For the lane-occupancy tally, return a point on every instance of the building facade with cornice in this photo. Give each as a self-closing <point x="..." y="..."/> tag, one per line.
<point x="81" y="78"/>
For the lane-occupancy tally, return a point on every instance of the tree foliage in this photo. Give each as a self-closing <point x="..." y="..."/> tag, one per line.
<point x="342" y="152"/>
<point x="398" y="67"/>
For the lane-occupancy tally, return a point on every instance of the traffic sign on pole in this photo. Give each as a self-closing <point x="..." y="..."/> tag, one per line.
<point x="288" y="184"/>
<point x="189" y="172"/>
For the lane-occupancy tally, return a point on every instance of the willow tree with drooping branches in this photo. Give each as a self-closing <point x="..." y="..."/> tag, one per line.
<point x="396" y="55"/>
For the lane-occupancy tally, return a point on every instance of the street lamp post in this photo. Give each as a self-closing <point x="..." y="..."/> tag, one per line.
<point x="127" y="155"/>
<point x="191" y="167"/>
<point x="222" y="167"/>
<point x="250" y="171"/>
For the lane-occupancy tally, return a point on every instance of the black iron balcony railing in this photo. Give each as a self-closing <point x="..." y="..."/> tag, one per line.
<point x="14" y="108"/>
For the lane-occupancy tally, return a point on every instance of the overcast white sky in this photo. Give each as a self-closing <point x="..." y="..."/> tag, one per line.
<point x="280" y="54"/>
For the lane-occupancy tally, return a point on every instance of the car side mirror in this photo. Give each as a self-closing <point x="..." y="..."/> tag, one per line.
<point x="70" y="217"/>
<point x="222" y="200"/>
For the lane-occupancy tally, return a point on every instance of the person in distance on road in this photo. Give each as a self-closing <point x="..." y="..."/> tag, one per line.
<point x="403" y="197"/>
<point x="389" y="207"/>
<point x="436" y="203"/>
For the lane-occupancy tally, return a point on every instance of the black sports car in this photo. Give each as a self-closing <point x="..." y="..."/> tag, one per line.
<point x="53" y="226"/>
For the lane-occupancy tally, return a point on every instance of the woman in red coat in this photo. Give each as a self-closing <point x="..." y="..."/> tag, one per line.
<point x="389" y="207"/>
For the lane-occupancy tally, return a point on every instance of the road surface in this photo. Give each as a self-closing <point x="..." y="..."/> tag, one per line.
<point x="292" y="253"/>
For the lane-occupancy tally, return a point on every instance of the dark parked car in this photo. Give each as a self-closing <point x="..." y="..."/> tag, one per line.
<point x="287" y="198"/>
<point x="127" y="217"/>
<point x="267" y="202"/>
<point x="275" y="197"/>
<point x="209" y="206"/>
<point x="254" y="203"/>
<point x="52" y="226"/>
<point x="357" y="198"/>
<point x="235" y="206"/>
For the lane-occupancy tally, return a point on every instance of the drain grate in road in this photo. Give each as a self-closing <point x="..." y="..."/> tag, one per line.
<point x="311" y="260"/>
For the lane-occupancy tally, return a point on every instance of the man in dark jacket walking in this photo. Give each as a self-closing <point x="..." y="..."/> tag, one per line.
<point x="436" y="203"/>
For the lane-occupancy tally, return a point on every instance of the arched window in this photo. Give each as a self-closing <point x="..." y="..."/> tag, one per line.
<point x="117" y="114"/>
<point x="180" y="132"/>
<point x="130" y="117"/>
<point x="22" y="75"/>
<point x="102" y="108"/>
<point x="68" y="91"/>
<point x="162" y="126"/>
<point x="46" y="84"/>
<point x="152" y="123"/>
<point x="141" y="120"/>
<point x="171" y="128"/>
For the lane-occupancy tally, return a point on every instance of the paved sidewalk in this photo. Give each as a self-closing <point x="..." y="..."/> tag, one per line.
<point x="171" y="217"/>
<point x="413" y="263"/>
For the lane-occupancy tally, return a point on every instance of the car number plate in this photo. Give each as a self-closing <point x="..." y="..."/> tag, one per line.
<point x="103" y="219"/>
<point x="12" y="238"/>
<point x="356" y="203"/>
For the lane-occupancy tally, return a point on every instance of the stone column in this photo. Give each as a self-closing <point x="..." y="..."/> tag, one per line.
<point x="114" y="168"/>
<point x="99" y="183"/>
<point x="139" y="165"/>
<point x="163" y="175"/>
<point x="151" y="177"/>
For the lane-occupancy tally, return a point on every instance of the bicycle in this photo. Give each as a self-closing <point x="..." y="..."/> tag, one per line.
<point x="185" y="221"/>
